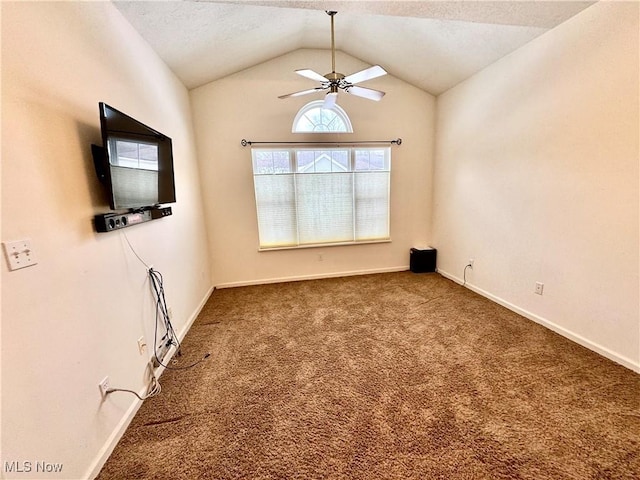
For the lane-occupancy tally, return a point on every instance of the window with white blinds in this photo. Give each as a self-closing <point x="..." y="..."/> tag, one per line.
<point x="319" y="196"/>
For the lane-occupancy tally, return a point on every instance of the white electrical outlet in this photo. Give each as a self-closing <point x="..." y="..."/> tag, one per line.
<point x="142" y="345"/>
<point x="539" y="288"/>
<point x="470" y="263"/>
<point x="19" y="254"/>
<point x="104" y="386"/>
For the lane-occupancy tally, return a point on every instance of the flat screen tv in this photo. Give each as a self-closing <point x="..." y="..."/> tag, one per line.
<point x="135" y="162"/>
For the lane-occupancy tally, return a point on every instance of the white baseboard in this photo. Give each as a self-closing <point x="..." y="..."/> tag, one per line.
<point x="605" y="352"/>
<point x="298" y="278"/>
<point x="114" y="438"/>
<point x="107" y="449"/>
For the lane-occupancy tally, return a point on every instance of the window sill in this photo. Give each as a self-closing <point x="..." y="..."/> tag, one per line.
<point x="322" y="245"/>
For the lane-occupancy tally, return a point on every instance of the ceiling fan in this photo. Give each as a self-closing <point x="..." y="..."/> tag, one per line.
<point x="334" y="81"/>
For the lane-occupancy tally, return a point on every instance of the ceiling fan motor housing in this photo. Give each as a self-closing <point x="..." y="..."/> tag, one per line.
<point x="334" y="76"/>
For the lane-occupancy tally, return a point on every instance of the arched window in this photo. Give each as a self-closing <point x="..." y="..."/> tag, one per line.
<point x="313" y="118"/>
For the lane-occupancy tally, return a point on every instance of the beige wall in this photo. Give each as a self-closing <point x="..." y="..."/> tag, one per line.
<point x="76" y="316"/>
<point x="536" y="178"/>
<point x="245" y="105"/>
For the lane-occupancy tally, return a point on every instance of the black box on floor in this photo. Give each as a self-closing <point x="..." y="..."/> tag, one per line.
<point x="422" y="260"/>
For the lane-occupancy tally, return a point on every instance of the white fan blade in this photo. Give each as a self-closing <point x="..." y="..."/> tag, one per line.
<point x="302" y="92"/>
<point x="312" y="75"/>
<point x="366" y="74"/>
<point x="330" y="100"/>
<point x="369" y="93"/>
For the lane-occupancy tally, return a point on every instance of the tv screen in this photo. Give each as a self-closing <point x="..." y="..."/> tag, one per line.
<point x="137" y="162"/>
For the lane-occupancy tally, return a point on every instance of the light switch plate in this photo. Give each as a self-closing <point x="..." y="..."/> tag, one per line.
<point x="19" y="254"/>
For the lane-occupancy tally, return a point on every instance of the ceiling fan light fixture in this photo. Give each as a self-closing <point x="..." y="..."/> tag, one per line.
<point x="330" y="100"/>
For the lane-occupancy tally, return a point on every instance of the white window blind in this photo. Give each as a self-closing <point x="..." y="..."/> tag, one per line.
<point x="316" y="196"/>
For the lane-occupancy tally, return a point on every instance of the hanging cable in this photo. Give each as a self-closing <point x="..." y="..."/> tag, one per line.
<point x="162" y="316"/>
<point x="134" y="251"/>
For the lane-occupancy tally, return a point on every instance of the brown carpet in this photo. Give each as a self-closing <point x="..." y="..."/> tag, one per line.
<point x="390" y="376"/>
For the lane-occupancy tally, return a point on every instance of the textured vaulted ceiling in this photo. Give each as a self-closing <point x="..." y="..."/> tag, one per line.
<point x="432" y="45"/>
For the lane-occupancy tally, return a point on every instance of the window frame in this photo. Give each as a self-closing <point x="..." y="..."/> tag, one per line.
<point x="292" y="152"/>
<point x="317" y="104"/>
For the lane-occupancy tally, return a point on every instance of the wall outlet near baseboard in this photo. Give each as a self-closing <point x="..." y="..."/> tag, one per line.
<point x="539" y="288"/>
<point x="104" y="386"/>
<point x="470" y="264"/>
<point x="142" y="345"/>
